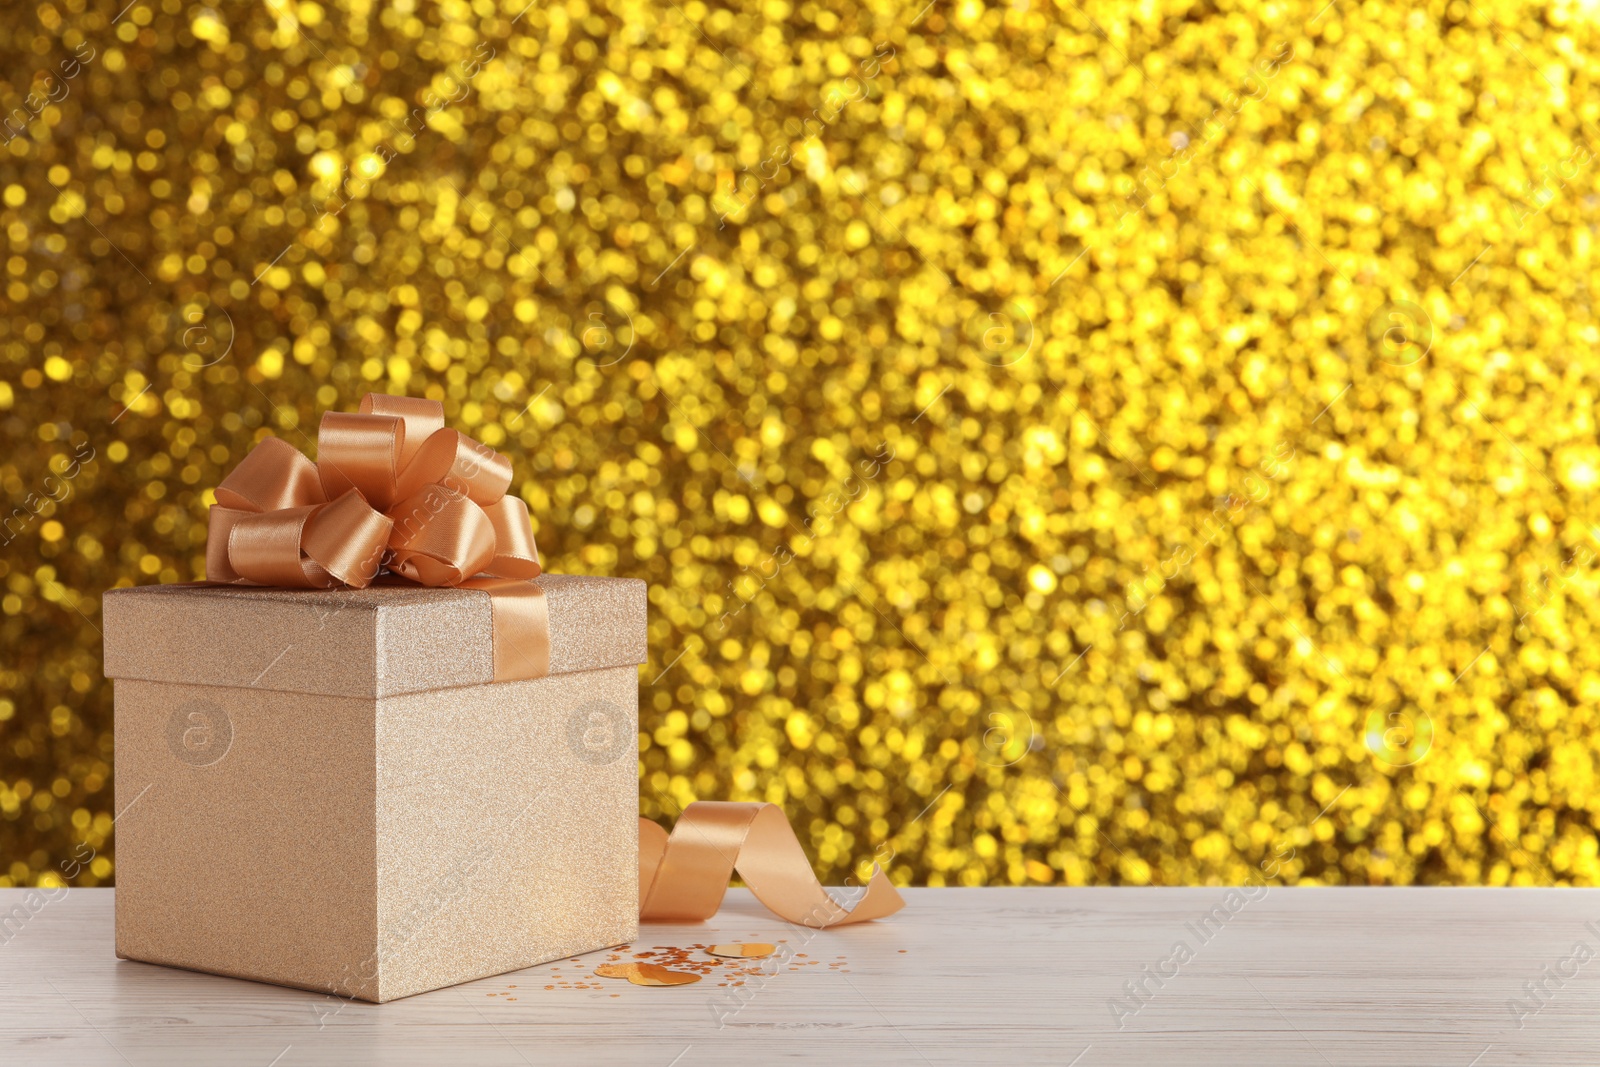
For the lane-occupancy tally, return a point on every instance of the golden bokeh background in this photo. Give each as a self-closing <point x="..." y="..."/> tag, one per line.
<point x="1065" y="442"/>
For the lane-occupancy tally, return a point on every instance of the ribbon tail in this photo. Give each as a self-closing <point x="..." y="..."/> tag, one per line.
<point x="685" y="876"/>
<point x="521" y="617"/>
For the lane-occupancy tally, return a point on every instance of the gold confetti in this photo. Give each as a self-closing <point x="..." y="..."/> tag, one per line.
<point x="616" y="970"/>
<point x="751" y="950"/>
<point x="653" y="975"/>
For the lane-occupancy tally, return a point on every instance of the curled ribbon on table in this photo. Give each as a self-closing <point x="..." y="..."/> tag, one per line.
<point x="683" y="878"/>
<point x="393" y="491"/>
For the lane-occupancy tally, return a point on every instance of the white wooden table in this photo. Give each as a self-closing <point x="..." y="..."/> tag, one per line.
<point x="1324" y="977"/>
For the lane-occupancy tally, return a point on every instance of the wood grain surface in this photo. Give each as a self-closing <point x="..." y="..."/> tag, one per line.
<point x="1322" y="977"/>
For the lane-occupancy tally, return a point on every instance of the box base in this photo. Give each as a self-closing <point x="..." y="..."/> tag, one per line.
<point x="365" y="998"/>
<point x="376" y="849"/>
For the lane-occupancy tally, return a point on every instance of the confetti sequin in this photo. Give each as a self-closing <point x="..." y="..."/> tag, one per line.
<point x="752" y="950"/>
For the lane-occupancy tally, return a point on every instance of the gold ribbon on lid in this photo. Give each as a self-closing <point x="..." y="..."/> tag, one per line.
<point x="393" y="490"/>
<point x="682" y="878"/>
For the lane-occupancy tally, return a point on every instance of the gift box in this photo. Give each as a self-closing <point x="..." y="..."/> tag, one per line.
<point x="380" y="752"/>
<point x="328" y="790"/>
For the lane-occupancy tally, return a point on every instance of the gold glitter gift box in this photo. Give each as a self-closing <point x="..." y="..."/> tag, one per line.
<point x="327" y="790"/>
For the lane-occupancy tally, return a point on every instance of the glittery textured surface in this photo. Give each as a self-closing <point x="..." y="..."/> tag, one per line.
<point x="262" y="864"/>
<point x="373" y="847"/>
<point x="499" y="845"/>
<point x="367" y="642"/>
<point x="1038" y="463"/>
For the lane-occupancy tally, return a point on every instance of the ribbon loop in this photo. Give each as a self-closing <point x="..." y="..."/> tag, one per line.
<point x="440" y="538"/>
<point x="265" y="549"/>
<point x="485" y="472"/>
<point x="218" y="534"/>
<point x="393" y="489"/>
<point x="347" y="538"/>
<point x="272" y="477"/>
<point x="422" y="418"/>
<point x="515" y="553"/>
<point x="457" y="462"/>
<point x="361" y="452"/>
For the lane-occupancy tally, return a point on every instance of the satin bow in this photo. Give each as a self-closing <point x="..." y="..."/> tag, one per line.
<point x="393" y="490"/>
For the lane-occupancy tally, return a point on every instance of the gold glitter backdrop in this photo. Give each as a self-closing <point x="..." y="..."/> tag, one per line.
<point x="1065" y="442"/>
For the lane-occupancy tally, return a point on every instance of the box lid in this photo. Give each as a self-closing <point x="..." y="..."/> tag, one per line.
<point x="375" y="642"/>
